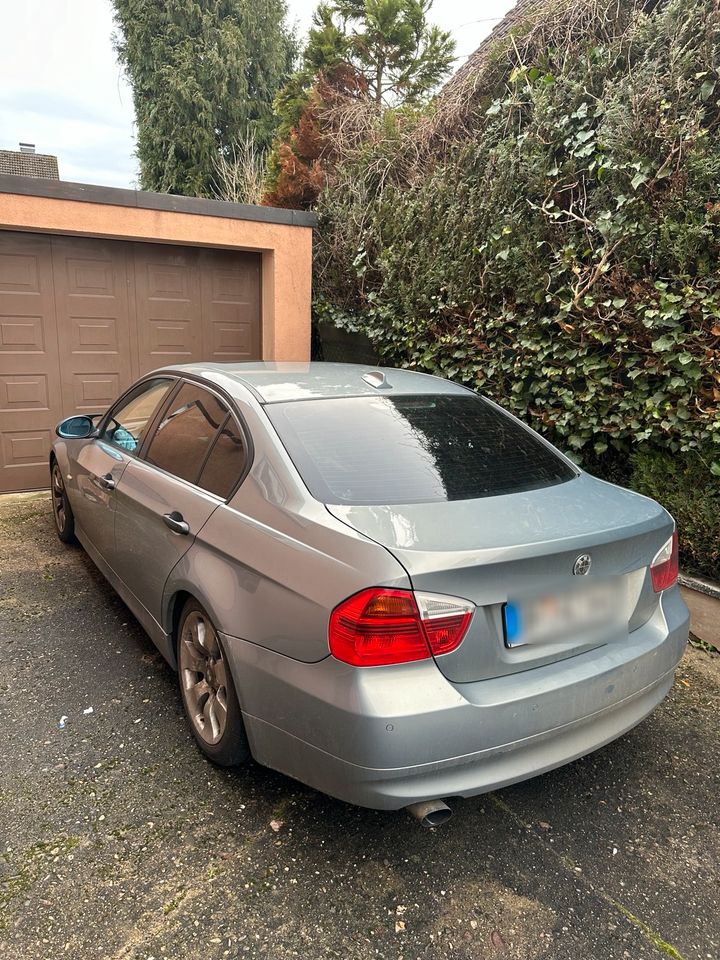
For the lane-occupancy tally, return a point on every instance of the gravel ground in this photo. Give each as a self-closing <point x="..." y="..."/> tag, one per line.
<point x="118" y="840"/>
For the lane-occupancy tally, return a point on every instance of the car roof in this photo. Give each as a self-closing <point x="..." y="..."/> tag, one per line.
<point x="276" y="382"/>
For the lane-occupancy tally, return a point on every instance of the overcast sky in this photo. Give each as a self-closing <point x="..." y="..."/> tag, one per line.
<point x="61" y="87"/>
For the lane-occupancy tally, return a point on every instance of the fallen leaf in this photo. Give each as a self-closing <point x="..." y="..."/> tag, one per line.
<point x="497" y="940"/>
<point x="399" y="926"/>
<point x="543" y="824"/>
<point x="276" y="825"/>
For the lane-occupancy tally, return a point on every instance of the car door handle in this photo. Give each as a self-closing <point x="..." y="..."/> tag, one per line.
<point x="176" y="523"/>
<point x="106" y="482"/>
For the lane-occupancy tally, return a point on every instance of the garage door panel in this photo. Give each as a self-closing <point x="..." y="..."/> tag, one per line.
<point x="96" y="335"/>
<point x="22" y="392"/>
<point x="89" y="276"/>
<point x="91" y="291"/>
<point x="30" y="383"/>
<point x="167" y="291"/>
<point x="19" y="272"/>
<point x="93" y="393"/>
<point x="169" y="276"/>
<point x="230" y="305"/>
<point x="81" y="318"/>
<point x="22" y="334"/>
<point x="231" y="340"/>
<point x="27" y="448"/>
<point x="170" y="342"/>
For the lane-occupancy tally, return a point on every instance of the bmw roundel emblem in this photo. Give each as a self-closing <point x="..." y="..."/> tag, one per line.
<point x="582" y="565"/>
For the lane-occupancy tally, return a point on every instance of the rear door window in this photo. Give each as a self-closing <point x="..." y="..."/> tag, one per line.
<point x="412" y="449"/>
<point x="226" y="463"/>
<point x="186" y="432"/>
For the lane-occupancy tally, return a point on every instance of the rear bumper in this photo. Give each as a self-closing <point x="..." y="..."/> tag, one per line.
<point x="388" y="737"/>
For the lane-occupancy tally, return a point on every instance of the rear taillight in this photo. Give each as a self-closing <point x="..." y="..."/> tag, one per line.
<point x="444" y="619"/>
<point x="378" y="626"/>
<point x="664" y="568"/>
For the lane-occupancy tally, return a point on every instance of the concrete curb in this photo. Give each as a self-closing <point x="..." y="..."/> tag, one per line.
<point x="703" y="600"/>
<point x="709" y="587"/>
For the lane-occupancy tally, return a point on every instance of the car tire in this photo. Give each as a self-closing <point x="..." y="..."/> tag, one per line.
<point x="62" y="511"/>
<point x="207" y="689"/>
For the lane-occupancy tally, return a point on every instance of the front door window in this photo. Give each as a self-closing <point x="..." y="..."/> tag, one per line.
<point x="129" y="420"/>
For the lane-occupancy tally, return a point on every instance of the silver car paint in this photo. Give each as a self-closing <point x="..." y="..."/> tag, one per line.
<point x="146" y="551"/>
<point x="97" y="512"/>
<point x="271" y="564"/>
<point x="385" y="738"/>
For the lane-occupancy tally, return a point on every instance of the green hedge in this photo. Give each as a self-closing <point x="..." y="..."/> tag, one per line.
<point x="560" y="250"/>
<point x="685" y="486"/>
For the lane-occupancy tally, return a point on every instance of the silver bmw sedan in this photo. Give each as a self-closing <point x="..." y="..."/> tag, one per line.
<point x="373" y="580"/>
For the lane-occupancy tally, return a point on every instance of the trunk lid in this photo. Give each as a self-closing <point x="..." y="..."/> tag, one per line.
<point x="497" y="549"/>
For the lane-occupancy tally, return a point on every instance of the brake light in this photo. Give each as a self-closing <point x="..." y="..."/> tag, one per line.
<point x="664" y="568"/>
<point x="379" y="626"/>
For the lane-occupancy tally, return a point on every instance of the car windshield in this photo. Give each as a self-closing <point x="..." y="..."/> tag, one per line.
<point x="412" y="449"/>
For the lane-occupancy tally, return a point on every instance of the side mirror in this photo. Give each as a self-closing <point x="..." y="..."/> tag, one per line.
<point x="75" y="428"/>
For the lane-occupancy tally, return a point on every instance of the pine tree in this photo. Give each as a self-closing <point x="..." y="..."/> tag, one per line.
<point x="383" y="52"/>
<point x="390" y="42"/>
<point x="204" y="74"/>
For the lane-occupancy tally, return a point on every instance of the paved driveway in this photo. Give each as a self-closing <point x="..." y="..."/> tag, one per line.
<point x="117" y="840"/>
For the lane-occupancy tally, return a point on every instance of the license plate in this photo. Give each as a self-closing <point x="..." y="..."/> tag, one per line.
<point x="586" y="612"/>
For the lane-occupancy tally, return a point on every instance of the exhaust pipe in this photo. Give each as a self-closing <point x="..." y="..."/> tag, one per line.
<point x="430" y="813"/>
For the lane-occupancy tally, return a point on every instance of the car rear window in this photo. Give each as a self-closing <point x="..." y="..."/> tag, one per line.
<point x="412" y="449"/>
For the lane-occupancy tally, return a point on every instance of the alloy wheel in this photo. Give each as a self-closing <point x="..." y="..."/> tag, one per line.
<point x="57" y="490"/>
<point x="203" y="674"/>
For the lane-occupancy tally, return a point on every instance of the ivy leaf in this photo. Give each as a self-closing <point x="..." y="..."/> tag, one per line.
<point x="638" y="180"/>
<point x="706" y="89"/>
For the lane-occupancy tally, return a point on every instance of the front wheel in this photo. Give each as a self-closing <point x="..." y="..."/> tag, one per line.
<point x="62" y="511"/>
<point x="207" y="689"/>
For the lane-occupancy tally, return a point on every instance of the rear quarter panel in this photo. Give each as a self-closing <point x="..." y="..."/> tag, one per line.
<point x="270" y="565"/>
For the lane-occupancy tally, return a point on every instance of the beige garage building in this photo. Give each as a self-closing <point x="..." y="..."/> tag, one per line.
<point x="99" y="285"/>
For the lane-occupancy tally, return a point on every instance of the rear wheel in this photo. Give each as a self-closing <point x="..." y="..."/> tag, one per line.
<point x="207" y="690"/>
<point x="62" y="511"/>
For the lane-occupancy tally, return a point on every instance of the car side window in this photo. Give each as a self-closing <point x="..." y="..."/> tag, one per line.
<point x="129" y="420"/>
<point x="186" y="432"/>
<point x="225" y="465"/>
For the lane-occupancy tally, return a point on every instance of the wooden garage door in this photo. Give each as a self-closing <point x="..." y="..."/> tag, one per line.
<point x="80" y="319"/>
